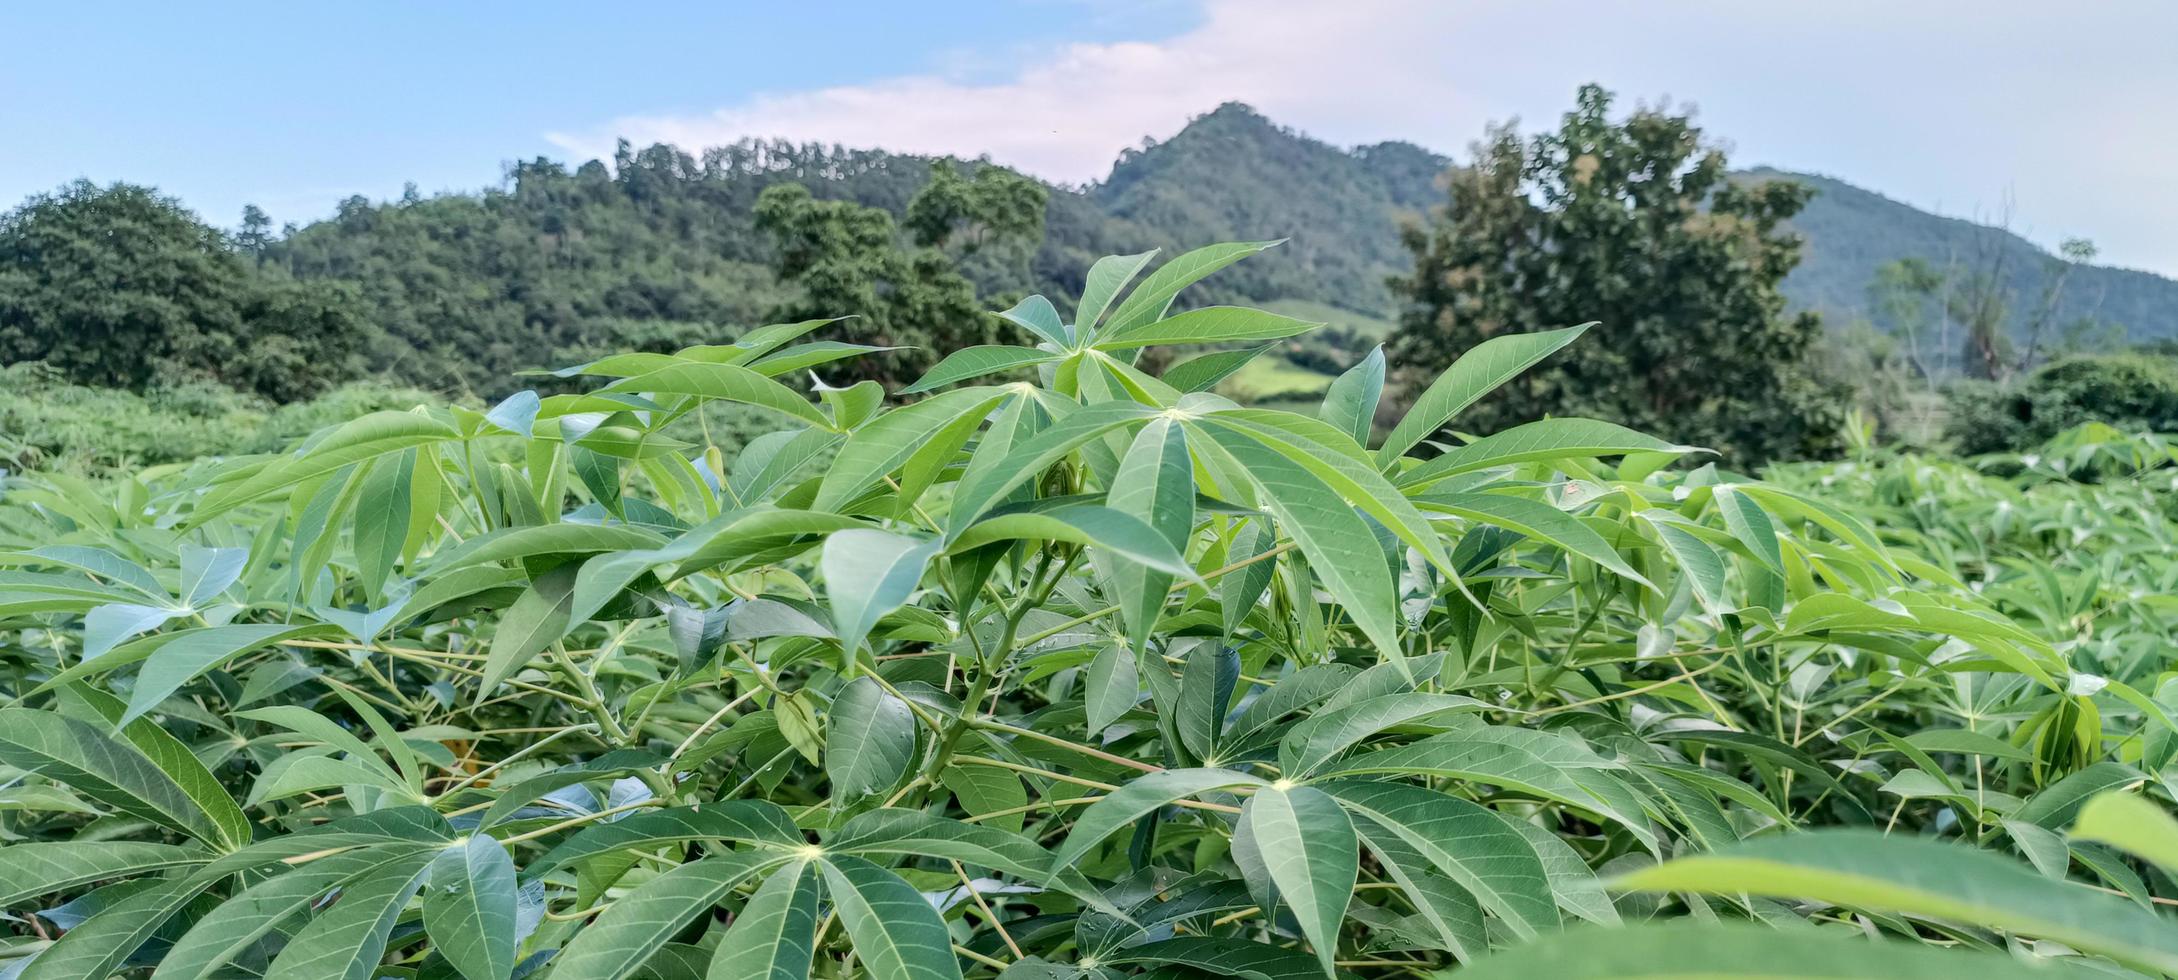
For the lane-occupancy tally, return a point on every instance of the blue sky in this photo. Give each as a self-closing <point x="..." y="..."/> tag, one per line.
<point x="2053" y="116"/>
<point x="294" y="105"/>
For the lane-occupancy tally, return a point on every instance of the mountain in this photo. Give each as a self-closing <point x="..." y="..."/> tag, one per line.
<point x="659" y="248"/>
<point x="1851" y="232"/>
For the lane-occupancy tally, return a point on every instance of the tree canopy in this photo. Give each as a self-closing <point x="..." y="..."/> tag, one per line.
<point x="1632" y="223"/>
<point x="120" y="286"/>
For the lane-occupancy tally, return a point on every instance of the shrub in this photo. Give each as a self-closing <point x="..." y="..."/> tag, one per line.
<point x="1103" y="676"/>
<point x="2134" y="392"/>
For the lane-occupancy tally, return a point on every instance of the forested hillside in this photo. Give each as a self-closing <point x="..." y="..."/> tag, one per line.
<point x="1851" y="232"/>
<point x="660" y="248"/>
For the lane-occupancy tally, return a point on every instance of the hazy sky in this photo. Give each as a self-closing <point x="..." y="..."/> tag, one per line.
<point x="2061" y="115"/>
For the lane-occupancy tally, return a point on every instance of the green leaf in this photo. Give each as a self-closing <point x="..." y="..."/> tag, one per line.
<point x="1107" y="276"/>
<point x="364" y="439"/>
<point x="1689" y="950"/>
<point x="348" y="940"/>
<point x="1313" y="856"/>
<point x="889" y="440"/>
<point x="2130" y="823"/>
<point x="1089" y="525"/>
<point x="1477" y="373"/>
<point x="982" y="790"/>
<point x="192" y="654"/>
<point x="98" y="946"/>
<point x="106" y="626"/>
<point x="171" y="757"/>
<point x="775" y="936"/>
<point x="1144" y="795"/>
<point x="1209" y="325"/>
<point x="868" y="573"/>
<point x="915" y="833"/>
<point x="1338" y="543"/>
<point x="1547" y="764"/>
<point x="1923" y="877"/>
<point x="207" y="572"/>
<point x="381" y="519"/>
<point x="1540" y="521"/>
<point x="1203" y="373"/>
<point x="636" y="924"/>
<point x="239" y="923"/>
<point x="1156" y="485"/>
<point x="538" y="618"/>
<point x="87" y="760"/>
<point x="34" y="869"/>
<point x="725" y="382"/>
<point x="975" y="362"/>
<point x="1220" y="956"/>
<point x="1112" y="688"/>
<point x="2055" y="806"/>
<point x="1153" y="297"/>
<point x="896" y="934"/>
<point x="1349" y="405"/>
<point x="753" y="821"/>
<point x="868" y="743"/>
<point x="1308" y="745"/>
<point x="1471" y="845"/>
<point x="1027" y="460"/>
<point x="468" y="908"/>
<point x="1539" y="441"/>
<point x="1041" y="318"/>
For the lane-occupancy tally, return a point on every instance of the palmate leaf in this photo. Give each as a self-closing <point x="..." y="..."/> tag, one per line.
<point x="774" y="937"/>
<point x="895" y="931"/>
<point x="468" y="908"/>
<point x="1540" y="441"/>
<point x="1156" y="485"/>
<point x="1150" y="300"/>
<point x="232" y="927"/>
<point x="1312" y="854"/>
<point x="869" y="740"/>
<point x="85" y="759"/>
<point x="1915" y="876"/>
<point x="2131" y="823"/>
<point x="726" y="382"/>
<point x="975" y="362"/>
<point x="34" y="869"/>
<point x="1209" y="325"/>
<point x="869" y="573"/>
<point x="1697" y="950"/>
<point x="1338" y="543"/>
<point x="187" y="657"/>
<point x="347" y="941"/>
<point x="1472" y="846"/>
<point x="754" y="821"/>
<point x="1478" y="372"/>
<point x="1143" y="795"/>
<point x="627" y="933"/>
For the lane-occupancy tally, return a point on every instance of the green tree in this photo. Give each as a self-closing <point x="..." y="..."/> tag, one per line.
<point x="1633" y="223"/>
<point x="846" y="257"/>
<point x="122" y="287"/>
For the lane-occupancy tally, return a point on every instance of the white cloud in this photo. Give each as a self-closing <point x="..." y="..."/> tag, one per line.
<point x="1953" y="105"/>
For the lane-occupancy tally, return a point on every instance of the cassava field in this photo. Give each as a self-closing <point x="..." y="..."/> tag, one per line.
<point x="1057" y="664"/>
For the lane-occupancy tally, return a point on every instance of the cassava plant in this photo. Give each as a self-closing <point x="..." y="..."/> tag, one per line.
<point x="1057" y="670"/>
